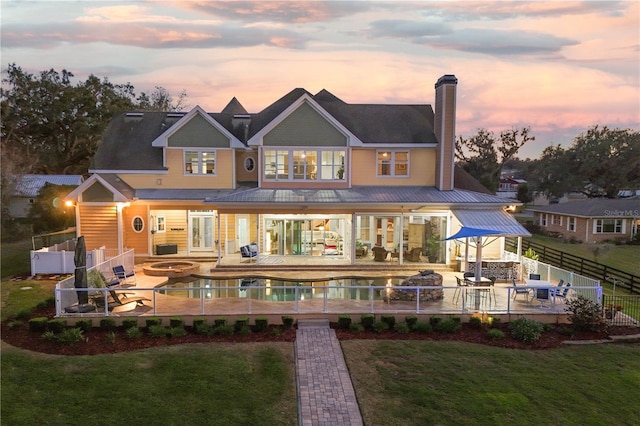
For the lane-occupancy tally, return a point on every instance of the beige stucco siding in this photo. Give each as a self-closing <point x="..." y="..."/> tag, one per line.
<point x="421" y="168"/>
<point x="305" y="127"/>
<point x="176" y="178"/>
<point x="198" y="133"/>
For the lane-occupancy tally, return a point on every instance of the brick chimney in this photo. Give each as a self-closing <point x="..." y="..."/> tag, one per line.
<point x="445" y="129"/>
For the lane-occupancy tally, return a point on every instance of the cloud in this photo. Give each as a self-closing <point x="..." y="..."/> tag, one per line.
<point x="46" y="36"/>
<point x="281" y="11"/>
<point x="475" y="40"/>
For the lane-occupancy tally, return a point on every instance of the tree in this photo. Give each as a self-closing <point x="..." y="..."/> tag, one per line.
<point x="524" y="195"/>
<point x="606" y="160"/>
<point x="48" y="212"/>
<point x="60" y="124"/>
<point x="599" y="163"/>
<point x="484" y="156"/>
<point x="161" y="100"/>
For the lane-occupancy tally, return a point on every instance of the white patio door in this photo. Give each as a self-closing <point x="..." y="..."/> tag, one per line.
<point x="243" y="230"/>
<point x="201" y="234"/>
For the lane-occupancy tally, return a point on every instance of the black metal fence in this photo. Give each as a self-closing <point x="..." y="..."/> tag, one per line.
<point x="620" y="279"/>
<point x="621" y="309"/>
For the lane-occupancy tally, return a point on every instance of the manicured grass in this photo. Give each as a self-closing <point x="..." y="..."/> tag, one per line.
<point x="14" y="258"/>
<point x="450" y="383"/>
<point x="14" y="299"/>
<point x="623" y="257"/>
<point x="212" y="384"/>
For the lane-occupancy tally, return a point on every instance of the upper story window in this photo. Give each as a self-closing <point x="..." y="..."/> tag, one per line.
<point x="303" y="165"/>
<point x="608" y="226"/>
<point x="199" y="162"/>
<point x="393" y="163"/>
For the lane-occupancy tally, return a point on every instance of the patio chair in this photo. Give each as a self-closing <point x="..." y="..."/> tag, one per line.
<point x="520" y="290"/>
<point x="534" y="276"/>
<point x="115" y="300"/>
<point x="379" y="254"/>
<point x="459" y="289"/>
<point x="125" y="279"/>
<point x="556" y="291"/>
<point x="563" y="294"/>
<point x="493" y="288"/>
<point x="250" y="250"/>
<point x="414" y="254"/>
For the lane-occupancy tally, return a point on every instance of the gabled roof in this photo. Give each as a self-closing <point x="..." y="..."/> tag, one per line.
<point x="121" y="191"/>
<point x="595" y="207"/>
<point x="30" y="185"/>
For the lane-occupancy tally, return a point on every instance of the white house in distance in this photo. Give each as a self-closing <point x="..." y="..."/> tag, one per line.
<point x="27" y="188"/>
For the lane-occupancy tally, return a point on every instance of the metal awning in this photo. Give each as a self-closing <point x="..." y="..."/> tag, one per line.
<point x="493" y="219"/>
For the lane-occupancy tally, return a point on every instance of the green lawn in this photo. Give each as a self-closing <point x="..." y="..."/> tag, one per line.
<point x="448" y="383"/>
<point x="210" y="384"/>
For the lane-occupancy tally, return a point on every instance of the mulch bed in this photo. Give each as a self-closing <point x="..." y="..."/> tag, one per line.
<point x="97" y="341"/>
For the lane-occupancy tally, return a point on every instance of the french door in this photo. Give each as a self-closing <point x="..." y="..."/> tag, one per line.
<point x="201" y="234"/>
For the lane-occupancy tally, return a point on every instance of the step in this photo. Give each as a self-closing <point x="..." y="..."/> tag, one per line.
<point x="313" y="323"/>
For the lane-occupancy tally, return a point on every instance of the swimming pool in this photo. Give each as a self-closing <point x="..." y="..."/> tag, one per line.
<point x="271" y="289"/>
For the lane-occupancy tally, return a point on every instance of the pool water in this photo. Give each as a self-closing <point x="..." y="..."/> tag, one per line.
<point x="271" y="289"/>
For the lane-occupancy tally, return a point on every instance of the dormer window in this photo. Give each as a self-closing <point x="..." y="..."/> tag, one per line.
<point x="199" y="162"/>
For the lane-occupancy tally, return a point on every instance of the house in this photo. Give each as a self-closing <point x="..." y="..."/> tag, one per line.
<point x="27" y="187"/>
<point x="310" y="175"/>
<point x="592" y="220"/>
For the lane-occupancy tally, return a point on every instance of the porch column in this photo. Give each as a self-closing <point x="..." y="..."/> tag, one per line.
<point x="219" y="262"/>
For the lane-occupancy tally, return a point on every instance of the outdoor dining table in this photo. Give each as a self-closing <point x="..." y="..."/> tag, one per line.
<point x="477" y="283"/>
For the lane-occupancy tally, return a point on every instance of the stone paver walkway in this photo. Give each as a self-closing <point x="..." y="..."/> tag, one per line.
<point x="325" y="392"/>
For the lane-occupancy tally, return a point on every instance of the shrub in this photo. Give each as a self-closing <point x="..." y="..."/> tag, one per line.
<point x="367" y="321"/>
<point x="223" y="330"/>
<point x="390" y="320"/>
<point x="219" y="321"/>
<point x="475" y="322"/>
<point x="434" y="321"/>
<point x="57" y="324"/>
<point x="176" y="322"/>
<point x="411" y="320"/>
<point x="176" y="332"/>
<point x="69" y="336"/>
<point x="585" y="314"/>
<point x="380" y="326"/>
<point x="495" y="323"/>
<point x="198" y="321"/>
<point x="127" y="323"/>
<point x="201" y="328"/>
<point x="38" y="324"/>
<point x="157" y="331"/>
<point x="132" y="333"/>
<point x="24" y="314"/>
<point x="244" y="330"/>
<point x="526" y="330"/>
<point x="261" y="324"/>
<point x="356" y="327"/>
<point x="49" y="336"/>
<point x="14" y="324"/>
<point x="422" y="327"/>
<point x="401" y="327"/>
<point x="276" y="331"/>
<point x="448" y="325"/>
<point x="153" y="321"/>
<point x="495" y="334"/>
<point x="240" y="324"/>
<point x="85" y="325"/>
<point x="344" y="322"/>
<point x="287" y="321"/>
<point x="108" y="323"/>
<point x="111" y="337"/>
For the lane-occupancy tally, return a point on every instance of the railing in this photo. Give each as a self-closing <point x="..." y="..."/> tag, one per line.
<point x="580" y="265"/>
<point x="621" y="309"/>
<point x="66" y="293"/>
<point x="295" y="299"/>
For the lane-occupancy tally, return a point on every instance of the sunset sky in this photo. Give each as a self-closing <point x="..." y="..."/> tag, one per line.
<point x="557" y="67"/>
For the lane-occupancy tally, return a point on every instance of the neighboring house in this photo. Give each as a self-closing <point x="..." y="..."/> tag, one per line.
<point x="27" y="188"/>
<point x="592" y="220"/>
<point x="508" y="187"/>
<point x="309" y="175"/>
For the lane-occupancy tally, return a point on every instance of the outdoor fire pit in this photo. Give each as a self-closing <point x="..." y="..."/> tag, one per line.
<point x="423" y="279"/>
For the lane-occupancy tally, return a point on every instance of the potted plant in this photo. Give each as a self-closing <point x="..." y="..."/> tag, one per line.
<point x="361" y="249"/>
<point x="611" y="310"/>
<point x="433" y="248"/>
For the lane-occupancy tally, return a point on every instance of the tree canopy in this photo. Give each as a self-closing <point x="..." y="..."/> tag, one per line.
<point x="484" y="155"/>
<point x="599" y="163"/>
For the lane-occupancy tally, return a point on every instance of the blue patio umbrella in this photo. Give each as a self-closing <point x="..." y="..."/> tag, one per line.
<point x="478" y="233"/>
